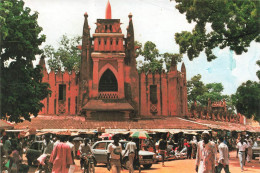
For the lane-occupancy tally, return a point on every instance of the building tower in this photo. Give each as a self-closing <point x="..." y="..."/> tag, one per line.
<point x="105" y="86"/>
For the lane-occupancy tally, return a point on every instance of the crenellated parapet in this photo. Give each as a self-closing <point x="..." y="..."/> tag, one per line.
<point x="216" y="111"/>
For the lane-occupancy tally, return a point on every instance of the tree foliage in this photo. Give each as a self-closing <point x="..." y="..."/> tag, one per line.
<point x="155" y="61"/>
<point x="258" y="72"/>
<point x="169" y="57"/>
<point x="234" y="24"/>
<point x="4" y="11"/>
<point x="201" y="93"/>
<point x="247" y="99"/>
<point x="195" y="88"/>
<point x="21" y="84"/>
<point x="67" y="56"/>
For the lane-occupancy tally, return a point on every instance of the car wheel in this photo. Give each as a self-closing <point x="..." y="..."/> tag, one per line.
<point x="148" y="166"/>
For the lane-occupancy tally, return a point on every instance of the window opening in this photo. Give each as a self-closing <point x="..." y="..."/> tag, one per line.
<point x="48" y="104"/>
<point x="54" y="106"/>
<point x="62" y="92"/>
<point x="108" y="82"/>
<point x="76" y="104"/>
<point x="69" y="105"/>
<point x="153" y="94"/>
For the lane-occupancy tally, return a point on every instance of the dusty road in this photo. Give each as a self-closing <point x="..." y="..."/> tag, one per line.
<point x="180" y="166"/>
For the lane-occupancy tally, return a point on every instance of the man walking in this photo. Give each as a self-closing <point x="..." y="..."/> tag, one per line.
<point x="61" y="157"/>
<point x="114" y="156"/>
<point x="162" y="148"/>
<point x="84" y="148"/>
<point x="241" y="152"/>
<point x="132" y="153"/>
<point x="249" y="149"/>
<point x="206" y="155"/>
<point x="47" y="150"/>
<point x="223" y="156"/>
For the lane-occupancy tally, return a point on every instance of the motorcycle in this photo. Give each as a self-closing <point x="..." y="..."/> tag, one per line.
<point x="89" y="163"/>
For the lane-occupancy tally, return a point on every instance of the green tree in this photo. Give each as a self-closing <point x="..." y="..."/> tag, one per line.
<point x="138" y="47"/>
<point x="149" y="51"/>
<point x="67" y="56"/>
<point x="195" y="88"/>
<point x="21" y="84"/>
<point x="234" y="24"/>
<point x="169" y="57"/>
<point x="154" y="61"/>
<point x="151" y="56"/>
<point x="247" y="99"/>
<point x="213" y="91"/>
<point x="199" y="92"/>
<point x="258" y="72"/>
<point x="4" y="11"/>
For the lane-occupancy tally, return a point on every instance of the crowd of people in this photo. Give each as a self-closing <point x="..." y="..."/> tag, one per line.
<point x="207" y="160"/>
<point x="59" y="151"/>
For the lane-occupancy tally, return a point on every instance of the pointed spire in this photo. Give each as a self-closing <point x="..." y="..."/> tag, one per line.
<point x="108" y="10"/>
<point x="183" y="68"/>
<point x="173" y="65"/>
<point x="42" y="62"/>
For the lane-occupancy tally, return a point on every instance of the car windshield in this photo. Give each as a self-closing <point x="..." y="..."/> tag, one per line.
<point x="257" y="144"/>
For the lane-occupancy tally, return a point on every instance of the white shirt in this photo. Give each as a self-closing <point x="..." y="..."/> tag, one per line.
<point x="114" y="151"/>
<point x="241" y="147"/>
<point x="131" y="147"/>
<point x="56" y="143"/>
<point x="249" y="143"/>
<point x="223" y="153"/>
<point x="72" y="147"/>
<point x="48" y="147"/>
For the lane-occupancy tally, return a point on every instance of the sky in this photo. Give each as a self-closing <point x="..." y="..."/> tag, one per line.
<point x="153" y="20"/>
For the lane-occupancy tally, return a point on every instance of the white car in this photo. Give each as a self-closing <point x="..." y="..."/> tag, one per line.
<point x="146" y="158"/>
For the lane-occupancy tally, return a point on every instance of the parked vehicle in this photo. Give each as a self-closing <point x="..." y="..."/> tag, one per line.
<point x="256" y="149"/>
<point x="89" y="163"/>
<point x="33" y="152"/>
<point x="146" y="158"/>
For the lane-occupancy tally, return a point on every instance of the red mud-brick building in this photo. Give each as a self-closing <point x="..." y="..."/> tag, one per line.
<point x="108" y="90"/>
<point x="108" y="85"/>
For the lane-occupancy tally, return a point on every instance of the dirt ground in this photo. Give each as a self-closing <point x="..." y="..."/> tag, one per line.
<point x="179" y="166"/>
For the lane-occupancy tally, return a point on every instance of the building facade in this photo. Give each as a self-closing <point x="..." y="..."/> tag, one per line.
<point x="108" y="85"/>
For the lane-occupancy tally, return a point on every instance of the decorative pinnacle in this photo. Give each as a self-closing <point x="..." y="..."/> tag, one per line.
<point x="108" y="10"/>
<point x="130" y="15"/>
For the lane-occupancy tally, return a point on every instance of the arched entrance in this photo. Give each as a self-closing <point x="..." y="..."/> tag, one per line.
<point x="108" y="82"/>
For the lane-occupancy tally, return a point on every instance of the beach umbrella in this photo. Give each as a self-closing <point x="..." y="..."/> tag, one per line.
<point x="140" y="135"/>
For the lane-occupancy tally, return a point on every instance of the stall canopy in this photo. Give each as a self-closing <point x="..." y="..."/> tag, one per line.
<point x="5" y="125"/>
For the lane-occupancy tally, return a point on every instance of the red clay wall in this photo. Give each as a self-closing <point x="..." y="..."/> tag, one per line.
<point x="168" y="94"/>
<point x="69" y="103"/>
